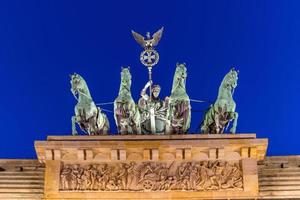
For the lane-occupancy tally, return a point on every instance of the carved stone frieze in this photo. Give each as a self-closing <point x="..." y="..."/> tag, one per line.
<point x="152" y="176"/>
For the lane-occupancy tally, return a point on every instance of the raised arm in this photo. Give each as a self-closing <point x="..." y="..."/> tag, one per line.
<point x="144" y="94"/>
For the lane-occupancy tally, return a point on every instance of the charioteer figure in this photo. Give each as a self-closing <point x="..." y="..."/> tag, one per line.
<point x="152" y="109"/>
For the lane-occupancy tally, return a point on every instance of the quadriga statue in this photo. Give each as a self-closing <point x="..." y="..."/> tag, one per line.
<point x="88" y="116"/>
<point x="178" y="104"/>
<point x="126" y="113"/>
<point x="219" y="115"/>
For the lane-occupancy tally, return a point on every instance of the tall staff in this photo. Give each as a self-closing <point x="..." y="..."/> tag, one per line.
<point x="149" y="58"/>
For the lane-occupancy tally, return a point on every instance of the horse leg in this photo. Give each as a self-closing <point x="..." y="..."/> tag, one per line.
<point x="218" y="126"/>
<point x="138" y="129"/>
<point x="168" y="128"/>
<point x="207" y="121"/>
<point x="204" y="129"/>
<point x="106" y="127"/>
<point x="74" y="131"/>
<point x="137" y="124"/>
<point x="234" y="125"/>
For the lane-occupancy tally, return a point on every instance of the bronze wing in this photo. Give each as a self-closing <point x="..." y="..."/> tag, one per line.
<point x="157" y="36"/>
<point x="139" y="38"/>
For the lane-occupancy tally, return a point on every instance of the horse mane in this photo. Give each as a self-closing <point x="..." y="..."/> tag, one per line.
<point x="179" y="86"/>
<point x="86" y="89"/>
<point x="124" y="90"/>
<point x="224" y="85"/>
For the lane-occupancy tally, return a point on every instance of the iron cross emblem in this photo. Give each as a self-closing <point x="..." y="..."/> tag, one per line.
<point x="149" y="57"/>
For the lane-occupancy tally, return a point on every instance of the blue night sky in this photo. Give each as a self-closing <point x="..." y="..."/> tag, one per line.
<point x="42" y="42"/>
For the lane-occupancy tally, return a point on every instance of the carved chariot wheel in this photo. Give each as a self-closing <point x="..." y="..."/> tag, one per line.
<point x="148" y="185"/>
<point x="149" y="57"/>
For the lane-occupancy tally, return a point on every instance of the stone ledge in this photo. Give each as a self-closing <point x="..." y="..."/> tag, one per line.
<point x="192" y="145"/>
<point x="116" y="137"/>
<point x="19" y="162"/>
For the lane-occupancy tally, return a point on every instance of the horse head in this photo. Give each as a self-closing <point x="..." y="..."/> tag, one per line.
<point x="126" y="77"/>
<point x="126" y="113"/>
<point x="230" y="80"/>
<point x="179" y="77"/>
<point x="78" y="85"/>
<point x="181" y="72"/>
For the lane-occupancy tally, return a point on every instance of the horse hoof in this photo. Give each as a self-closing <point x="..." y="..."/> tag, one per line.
<point x="232" y="130"/>
<point x="75" y="133"/>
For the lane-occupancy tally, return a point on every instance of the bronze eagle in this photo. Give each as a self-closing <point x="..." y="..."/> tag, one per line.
<point x="149" y="42"/>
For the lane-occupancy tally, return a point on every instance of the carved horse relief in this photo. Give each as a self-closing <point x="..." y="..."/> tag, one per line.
<point x="219" y="115"/>
<point x="178" y="104"/>
<point x="88" y="116"/>
<point x="126" y="112"/>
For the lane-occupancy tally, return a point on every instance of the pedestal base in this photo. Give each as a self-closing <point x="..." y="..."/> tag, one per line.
<point x="151" y="166"/>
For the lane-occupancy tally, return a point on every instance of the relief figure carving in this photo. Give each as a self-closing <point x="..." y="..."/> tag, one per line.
<point x="152" y="176"/>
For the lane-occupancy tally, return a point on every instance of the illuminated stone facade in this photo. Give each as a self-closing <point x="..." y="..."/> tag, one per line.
<point x="151" y="167"/>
